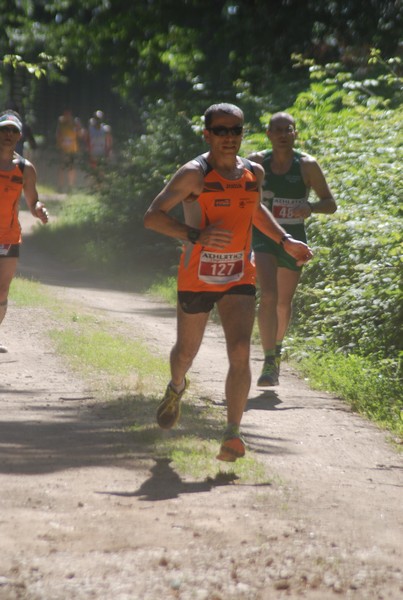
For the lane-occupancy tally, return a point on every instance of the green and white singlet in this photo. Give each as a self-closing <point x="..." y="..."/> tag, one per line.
<point x="281" y="194"/>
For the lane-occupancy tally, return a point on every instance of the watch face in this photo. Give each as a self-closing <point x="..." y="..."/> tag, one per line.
<point x="193" y="235"/>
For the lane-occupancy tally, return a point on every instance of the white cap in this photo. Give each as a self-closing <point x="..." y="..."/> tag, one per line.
<point x="10" y="119"/>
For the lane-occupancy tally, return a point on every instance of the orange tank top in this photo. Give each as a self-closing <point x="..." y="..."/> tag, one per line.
<point x="10" y="192"/>
<point x="67" y="137"/>
<point x="232" y="204"/>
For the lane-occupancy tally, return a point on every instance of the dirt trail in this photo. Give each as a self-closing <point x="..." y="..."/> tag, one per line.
<point x="86" y="513"/>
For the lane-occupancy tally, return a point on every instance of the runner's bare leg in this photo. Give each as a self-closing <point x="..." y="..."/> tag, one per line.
<point x="237" y="313"/>
<point x="190" y="331"/>
<point x="287" y="282"/>
<point x="266" y="266"/>
<point x="8" y="267"/>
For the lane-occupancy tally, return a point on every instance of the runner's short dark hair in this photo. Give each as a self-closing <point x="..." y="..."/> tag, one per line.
<point x="223" y="107"/>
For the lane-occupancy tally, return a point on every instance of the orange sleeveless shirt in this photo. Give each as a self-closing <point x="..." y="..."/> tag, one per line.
<point x="67" y="136"/>
<point x="231" y="203"/>
<point x="10" y="192"/>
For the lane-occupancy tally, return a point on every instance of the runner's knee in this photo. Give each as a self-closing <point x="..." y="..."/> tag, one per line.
<point x="239" y="352"/>
<point x="268" y="297"/>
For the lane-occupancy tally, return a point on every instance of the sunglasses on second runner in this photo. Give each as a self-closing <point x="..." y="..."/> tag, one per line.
<point x="222" y="131"/>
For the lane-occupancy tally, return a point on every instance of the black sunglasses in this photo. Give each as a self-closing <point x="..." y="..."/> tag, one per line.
<point x="222" y="131"/>
<point x="9" y="129"/>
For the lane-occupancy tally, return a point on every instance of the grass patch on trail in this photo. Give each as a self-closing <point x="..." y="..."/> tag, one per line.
<point x="197" y="456"/>
<point x="192" y="446"/>
<point x="130" y="380"/>
<point x="91" y="348"/>
<point x="166" y="289"/>
<point x="29" y="293"/>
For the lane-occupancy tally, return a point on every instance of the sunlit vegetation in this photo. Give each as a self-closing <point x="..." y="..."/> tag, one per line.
<point x="348" y="309"/>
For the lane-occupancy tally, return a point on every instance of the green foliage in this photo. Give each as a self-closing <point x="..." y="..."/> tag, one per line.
<point x="349" y="303"/>
<point x="166" y="289"/>
<point x="39" y="68"/>
<point x="171" y="138"/>
<point x="350" y="296"/>
<point x="351" y="292"/>
<point x="348" y="310"/>
<point x="198" y="47"/>
<point x="372" y="391"/>
<point x="107" y="230"/>
<point x="75" y="236"/>
<point x="378" y="83"/>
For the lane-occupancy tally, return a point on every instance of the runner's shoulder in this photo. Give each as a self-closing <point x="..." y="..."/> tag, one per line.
<point x="257" y="157"/>
<point x="306" y="159"/>
<point x="258" y="169"/>
<point x="192" y="169"/>
<point x="189" y="176"/>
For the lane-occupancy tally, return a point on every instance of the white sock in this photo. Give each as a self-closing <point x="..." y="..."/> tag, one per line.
<point x="178" y="388"/>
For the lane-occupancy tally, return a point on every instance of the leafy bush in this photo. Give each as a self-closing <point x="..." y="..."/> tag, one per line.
<point x="348" y="310"/>
<point x="351" y="293"/>
<point x="145" y="164"/>
<point x="369" y="391"/>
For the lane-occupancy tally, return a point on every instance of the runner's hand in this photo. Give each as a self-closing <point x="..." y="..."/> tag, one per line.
<point x="303" y="211"/>
<point x="215" y="237"/>
<point x="298" y="250"/>
<point x="41" y="212"/>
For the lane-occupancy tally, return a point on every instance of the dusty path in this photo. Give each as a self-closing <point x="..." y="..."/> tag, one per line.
<point x="86" y="513"/>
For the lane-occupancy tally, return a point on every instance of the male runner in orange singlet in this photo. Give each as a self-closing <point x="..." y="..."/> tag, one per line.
<point x="17" y="174"/>
<point x="220" y="194"/>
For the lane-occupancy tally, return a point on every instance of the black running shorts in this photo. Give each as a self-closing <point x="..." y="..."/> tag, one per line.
<point x="9" y="250"/>
<point x="202" y="302"/>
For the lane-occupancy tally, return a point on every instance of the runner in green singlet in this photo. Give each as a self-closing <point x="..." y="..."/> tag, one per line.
<point x="289" y="178"/>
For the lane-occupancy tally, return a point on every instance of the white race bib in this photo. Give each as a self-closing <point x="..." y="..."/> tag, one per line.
<point x="221" y="267"/>
<point x="283" y="208"/>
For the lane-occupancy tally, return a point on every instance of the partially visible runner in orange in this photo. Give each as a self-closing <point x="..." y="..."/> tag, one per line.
<point x="220" y="193"/>
<point x="17" y="174"/>
<point x="69" y="132"/>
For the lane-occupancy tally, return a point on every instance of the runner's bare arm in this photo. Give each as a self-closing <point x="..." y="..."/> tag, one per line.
<point x="314" y="178"/>
<point x="186" y="185"/>
<point x="257" y="157"/>
<point x="263" y="219"/>
<point x="36" y="207"/>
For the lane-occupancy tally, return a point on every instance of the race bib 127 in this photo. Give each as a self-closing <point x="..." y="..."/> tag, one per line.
<point x="221" y="267"/>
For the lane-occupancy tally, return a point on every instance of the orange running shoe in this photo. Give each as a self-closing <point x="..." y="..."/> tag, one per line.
<point x="232" y="447"/>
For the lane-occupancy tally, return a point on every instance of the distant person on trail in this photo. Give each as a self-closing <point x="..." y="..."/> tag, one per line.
<point x="220" y="194"/>
<point x="289" y="177"/>
<point x="68" y="136"/>
<point x="99" y="145"/>
<point x="17" y="174"/>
